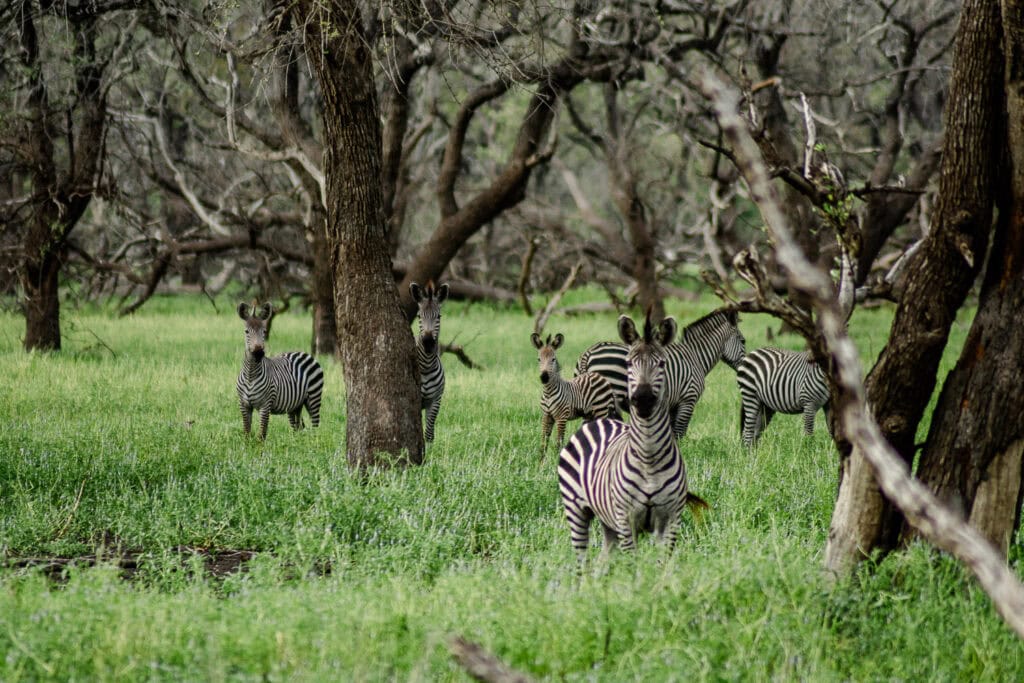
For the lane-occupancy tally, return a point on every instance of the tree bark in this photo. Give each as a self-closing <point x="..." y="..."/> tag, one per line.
<point x="972" y="459"/>
<point x="901" y="383"/>
<point x="374" y="339"/>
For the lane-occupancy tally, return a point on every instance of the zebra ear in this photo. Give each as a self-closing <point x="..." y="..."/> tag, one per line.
<point x="627" y="330"/>
<point x="416" y="291"/>
<point x="557" y="341"/>
<point x="667" y="329"/>
<point x="243" y="311"/>
<point x="442" y="293"/>
<point x="535" y="338"/>
<point x="266" y="310"/>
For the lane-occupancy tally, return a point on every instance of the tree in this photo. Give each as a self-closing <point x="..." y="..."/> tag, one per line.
<point x="55" y="150"/>
<point x="902" y="380"/>
<point x="973" y="456"/>
<point x="375" y="342"/>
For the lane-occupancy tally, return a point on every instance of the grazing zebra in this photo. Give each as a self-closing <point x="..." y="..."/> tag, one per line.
<point x="631" y="477"/>
<point x="704" y="342"/>
<point x="281" y="384"/>
<point x="589" y="395"/>
<point x="778" y="381"/>
<point x="428" y="350"/>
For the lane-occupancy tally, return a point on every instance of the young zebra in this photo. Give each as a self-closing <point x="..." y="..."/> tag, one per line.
<point x="428" y="349"/>
<point x="589" y="395"/>
<point x="704" y="342"/>
<point x="281" y="384"/>
<point x="775" y="380"/>
<point x="631" y="477"/>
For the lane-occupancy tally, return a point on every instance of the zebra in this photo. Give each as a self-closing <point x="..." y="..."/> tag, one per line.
<point x="631" y="477"/>
<point x="775" y="380"/>
<point x="589" y="395"/>
<point x="428" y="354"/>
<point x="704" y="342"/>
<point x="280" y="384"/>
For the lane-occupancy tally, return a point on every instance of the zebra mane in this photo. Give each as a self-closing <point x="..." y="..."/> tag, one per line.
<point x="714" y="316"/>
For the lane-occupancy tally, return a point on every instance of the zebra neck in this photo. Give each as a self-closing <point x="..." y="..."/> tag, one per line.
<point x="650" y="438"/>
<point x="705" y="350"/>
<point x="427" y="359"/>
<point x="554" y="385"/>
<point x="254" y="369"/>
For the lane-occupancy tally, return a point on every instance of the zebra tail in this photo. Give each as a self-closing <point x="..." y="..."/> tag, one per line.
<point x="697" y="506"/>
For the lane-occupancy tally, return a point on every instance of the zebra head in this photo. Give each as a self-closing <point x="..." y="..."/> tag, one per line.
<point x="645" y="362"/>
<point x="735" y="346"/>
<point x="546" y="358"/>
<point x="429" y="301"/>
<point x="257" y="328"/>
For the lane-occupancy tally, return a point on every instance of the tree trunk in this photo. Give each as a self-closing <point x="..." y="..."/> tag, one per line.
<point x="972" y="459"/>
<point x="374" y="339"/>
<point x="901" y="383"/>
<point x="325" y="327"/>
<point x="59" y="197"/>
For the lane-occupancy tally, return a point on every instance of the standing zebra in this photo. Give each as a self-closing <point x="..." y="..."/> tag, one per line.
<point x="281" y="384"/>
<point x="428" y="350"/>
<point x="775" y="380"/>
<point x="631" y="477"/>
<point x="589" y="395"/>
<point x="704" y="342"/>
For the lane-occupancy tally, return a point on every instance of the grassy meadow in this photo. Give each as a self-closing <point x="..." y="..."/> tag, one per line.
<point x="131" y="437"/>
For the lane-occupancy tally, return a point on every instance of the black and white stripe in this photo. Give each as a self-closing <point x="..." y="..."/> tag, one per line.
<point x="779" y="381"/>
<point x="281" y="384"/>
<point x="589" y="395"/>
<point x="428" y="347"/>
<point x="704" y="342"/>
<point x="632" y="477"/>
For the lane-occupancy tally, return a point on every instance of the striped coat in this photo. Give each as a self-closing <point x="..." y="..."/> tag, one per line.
<point x="779" y="381"/>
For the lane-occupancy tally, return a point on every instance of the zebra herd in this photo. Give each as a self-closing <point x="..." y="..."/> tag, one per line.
<point x="630" y="476"/>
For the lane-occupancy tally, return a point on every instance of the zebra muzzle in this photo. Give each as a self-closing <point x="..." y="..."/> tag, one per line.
<point x="544" y="377"/>
<point x="643" y="399"/>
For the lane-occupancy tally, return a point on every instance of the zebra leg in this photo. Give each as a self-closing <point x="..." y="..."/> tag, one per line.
<point x="810" y="410"/>
<point x="751" y="414"/>
<point x="579" y="519"/>
<point x="264" y="421"/>
<point x="546" y="423"/>
<point x="561" y="433"/>
<point x="683" y="415"/>
<point x="313" y="407"/>
<point x="246" y="419"/>
<point x="611" y="541"/>
<point x="295" y="419"/>
<point x="432" y="410"/>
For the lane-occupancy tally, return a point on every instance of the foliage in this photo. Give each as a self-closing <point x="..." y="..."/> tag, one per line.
<point x="473" y="542"/>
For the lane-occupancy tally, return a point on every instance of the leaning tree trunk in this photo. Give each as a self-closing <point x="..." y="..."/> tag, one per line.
<point x="901" y="383"/>
<point x="374" y="339"/>
<point x="973" y="457"/>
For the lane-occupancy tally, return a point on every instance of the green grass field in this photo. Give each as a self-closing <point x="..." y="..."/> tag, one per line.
<point x="132" y="436"/>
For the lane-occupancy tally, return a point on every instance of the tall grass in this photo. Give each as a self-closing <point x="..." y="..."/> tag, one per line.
<point x="133" y="433"/>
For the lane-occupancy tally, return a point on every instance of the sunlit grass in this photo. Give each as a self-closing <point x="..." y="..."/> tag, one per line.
<point x="133" y="432"/>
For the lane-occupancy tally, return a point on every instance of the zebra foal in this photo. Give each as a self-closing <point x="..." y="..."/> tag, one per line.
<point x="631" y="477"/>
<point x="280" y="384"/>
<point x="428" y="350"/>
<point x="779" y="381"/>
<point x="589" y="395"/>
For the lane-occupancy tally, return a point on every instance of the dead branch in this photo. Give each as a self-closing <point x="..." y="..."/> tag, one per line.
<point x="934" y="520"/>
<point x="524" y="275"/>
<point x="542" y="317"/>
<point x="482" y="665"/>
<point x="459" y="352"/>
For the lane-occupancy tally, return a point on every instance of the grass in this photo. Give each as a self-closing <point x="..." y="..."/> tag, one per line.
<point x="132" y="433"/>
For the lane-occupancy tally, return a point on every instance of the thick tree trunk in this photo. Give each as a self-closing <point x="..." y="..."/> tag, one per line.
<point x="374" y="339"/>
<point x="40" y="278"/>
<point x="325" y="327"/>
<point x="901" y="383"/>
<point x="972" y="459"/>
